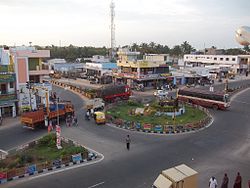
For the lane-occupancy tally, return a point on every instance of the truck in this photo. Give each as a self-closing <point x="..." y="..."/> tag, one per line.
<point x="112" y="93"/>
<point x="97" y="104"/>
<point x="40" y="117"/>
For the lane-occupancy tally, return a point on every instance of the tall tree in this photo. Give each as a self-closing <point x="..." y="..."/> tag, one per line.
<point x="176" y="51"/>
<point x="186" y="48"/>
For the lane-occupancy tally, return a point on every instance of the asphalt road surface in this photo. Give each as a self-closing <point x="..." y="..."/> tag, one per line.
<point x="223" y="147"/>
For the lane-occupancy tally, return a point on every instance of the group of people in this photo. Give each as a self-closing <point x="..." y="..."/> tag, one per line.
<point x="89" y="113"/>
<point x="237" y="183"/>
<point x="71" y="121"/>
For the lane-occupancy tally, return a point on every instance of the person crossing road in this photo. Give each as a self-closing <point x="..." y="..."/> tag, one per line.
<point x="128" y="140"/>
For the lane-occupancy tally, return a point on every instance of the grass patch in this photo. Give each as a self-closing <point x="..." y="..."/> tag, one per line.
<point x="122" y="112"/>
<point x="44" y="151"/>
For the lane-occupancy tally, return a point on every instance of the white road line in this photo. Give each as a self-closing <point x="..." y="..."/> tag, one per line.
<point x="96" y="184"/>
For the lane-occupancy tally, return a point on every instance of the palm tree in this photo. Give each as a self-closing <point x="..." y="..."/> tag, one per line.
<point x="176" y="51"/>
<point x="186" y="48"/>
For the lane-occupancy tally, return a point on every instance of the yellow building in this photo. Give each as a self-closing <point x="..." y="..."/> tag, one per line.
<point x="151" y="70"/>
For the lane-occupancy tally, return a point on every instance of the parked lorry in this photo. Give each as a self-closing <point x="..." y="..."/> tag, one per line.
<point x="96" y="104"/>
<point x="41" y="116"/>
<point x="112" y="93"/>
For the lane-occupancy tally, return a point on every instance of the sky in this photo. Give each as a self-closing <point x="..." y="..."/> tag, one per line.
<point x="87" y="22"/>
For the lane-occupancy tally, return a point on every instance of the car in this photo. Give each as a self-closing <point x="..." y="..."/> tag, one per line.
<point x="160" y="93"/>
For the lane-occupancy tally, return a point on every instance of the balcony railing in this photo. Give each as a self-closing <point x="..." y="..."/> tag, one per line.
<point x="8" y="96"/>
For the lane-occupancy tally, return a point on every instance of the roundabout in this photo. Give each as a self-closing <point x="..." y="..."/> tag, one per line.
<point x="162" y="117"/>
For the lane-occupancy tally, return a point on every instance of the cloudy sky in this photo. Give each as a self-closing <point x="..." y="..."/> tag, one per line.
<point x="87" y="22"/>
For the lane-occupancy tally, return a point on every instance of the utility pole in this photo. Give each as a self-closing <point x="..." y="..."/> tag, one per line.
<point x="112" y="29"/>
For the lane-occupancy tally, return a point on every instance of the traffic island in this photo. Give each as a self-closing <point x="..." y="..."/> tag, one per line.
<point x="157" y="118"/>
<point x="41" y="156"/>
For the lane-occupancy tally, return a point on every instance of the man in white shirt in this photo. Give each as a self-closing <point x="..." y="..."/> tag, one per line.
<point x="213" y="182"/>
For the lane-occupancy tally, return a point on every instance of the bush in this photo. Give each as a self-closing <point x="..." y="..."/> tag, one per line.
<point x="48" y="140"/>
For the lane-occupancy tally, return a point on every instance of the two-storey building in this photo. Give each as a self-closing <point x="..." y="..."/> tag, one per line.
<point x="237" y="63"/>
<point x="29" y="67"/>
<point x="151" y="71"/>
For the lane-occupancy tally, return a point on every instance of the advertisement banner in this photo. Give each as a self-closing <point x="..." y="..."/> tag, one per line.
<point x="137" y="125"/>
<point x="3" y="175"/>
<point x="158" y="128"/>
<point x="58" y="137"/>
<point x="57" y="162"/>
<point x="30" y="169"/>
<point x="147" y="127"/>
<point x="77" y="157"/>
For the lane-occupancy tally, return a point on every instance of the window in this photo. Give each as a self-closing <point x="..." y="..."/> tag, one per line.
<point x="227" y="59"/>
<point x="207" y="57"/>
<point x="221" y="59"/>
<point x="11" y="85"/>
<point x="215" y="58"/>
<point x="233" y="59"/>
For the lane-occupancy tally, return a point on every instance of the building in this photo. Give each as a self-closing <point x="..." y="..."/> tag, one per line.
<point x="237" y="63"/>
<point x="151" y="71"/>
<point x="51" y="63"/>
<point x="29" y="66"/>
<point x="8" y="92"/>
<point x="102" y="72"/>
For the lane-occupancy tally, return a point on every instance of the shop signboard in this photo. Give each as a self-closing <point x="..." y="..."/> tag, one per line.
<point x="5" y="78"/>
<point x="58" y="137"/>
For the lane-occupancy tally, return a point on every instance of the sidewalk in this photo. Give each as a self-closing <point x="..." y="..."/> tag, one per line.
<point x="10" y="122"/>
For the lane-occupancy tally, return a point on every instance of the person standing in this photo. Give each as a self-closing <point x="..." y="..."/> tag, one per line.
<point x="128" y="140"/>
<point x="237" y="182"/>
<point x="212" y="182"/>
<point x="225" y="181"/>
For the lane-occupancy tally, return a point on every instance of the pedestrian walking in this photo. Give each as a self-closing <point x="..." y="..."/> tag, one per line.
<point x="92" y="112"/>
<point x="238" y="180"/>
<point x="87" y="115"/>
<point x="1" y="120"/>
<point x="128" y="140"/>
<point x="212" y="182"/>
<point x="225" y="181"/>
<point x="75" y="121"/>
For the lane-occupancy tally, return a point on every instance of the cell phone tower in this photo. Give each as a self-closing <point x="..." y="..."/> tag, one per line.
<point x="112" y="29"/>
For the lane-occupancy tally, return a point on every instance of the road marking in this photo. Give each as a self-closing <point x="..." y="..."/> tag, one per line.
<point x="96" y="184"/>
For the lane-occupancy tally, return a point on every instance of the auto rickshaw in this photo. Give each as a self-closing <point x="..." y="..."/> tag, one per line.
<point x="99" y="117"/>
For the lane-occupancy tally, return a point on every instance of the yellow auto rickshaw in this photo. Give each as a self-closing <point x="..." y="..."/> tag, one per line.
<point x="99" y="117"/>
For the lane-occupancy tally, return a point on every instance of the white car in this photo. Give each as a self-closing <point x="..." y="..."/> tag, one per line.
<point x="160" y="93"/>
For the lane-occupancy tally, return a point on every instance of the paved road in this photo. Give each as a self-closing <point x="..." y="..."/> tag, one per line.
<point x="223" y="147"/>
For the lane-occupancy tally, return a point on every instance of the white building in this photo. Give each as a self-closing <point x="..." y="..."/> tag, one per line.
<point x="236" y="63"/>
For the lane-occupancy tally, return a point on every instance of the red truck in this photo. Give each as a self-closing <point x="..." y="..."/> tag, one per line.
<point x="37" y="118"/>
<point x="112" y="93"/>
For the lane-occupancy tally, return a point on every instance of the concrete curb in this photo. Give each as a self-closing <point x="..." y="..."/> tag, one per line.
<point x="49" y="169"/>
<point x="191" y="130"/>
